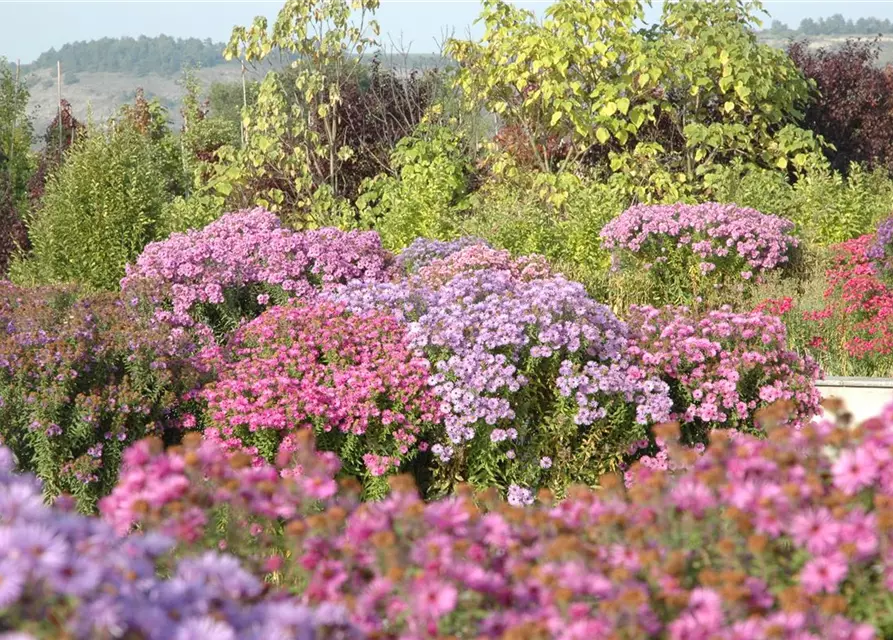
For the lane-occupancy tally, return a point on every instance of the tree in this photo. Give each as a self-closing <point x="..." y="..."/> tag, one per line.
<point x="293" y="150"/>
<point x="660" y="105"/>
<point x="57" y="140"/>
<point x="16" y="162"/>
<point x="15" y="131"/>
<point x="103" y="203"/>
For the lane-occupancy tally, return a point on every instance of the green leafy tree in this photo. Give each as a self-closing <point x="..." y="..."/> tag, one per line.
<point x="16" y="132"/>
<point x="291" y="154"/>
<point x="427" y="194"/>
<point x="660" y="106"/>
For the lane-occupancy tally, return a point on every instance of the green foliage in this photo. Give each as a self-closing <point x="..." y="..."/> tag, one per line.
<point x="225" y="100"/>
<point x="555" y="215"/>
<point x="826" y="206"/>
<point x="427" y="194"/>
<point x="581" y="73"/>
<point x="15" y="132"/>
<point x="291" y="148"/>
<point x="182" y="214"/>
<point x="661" y="107"/>
<point x="101" y="207"/>
<point x="202" y="134"/>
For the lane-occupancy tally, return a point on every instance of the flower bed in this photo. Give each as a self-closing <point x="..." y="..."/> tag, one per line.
<point x="754" y="538"/>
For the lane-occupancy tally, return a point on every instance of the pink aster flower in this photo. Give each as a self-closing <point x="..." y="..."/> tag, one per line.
<point x="854" y="470"/>
<point x="824" y="574"/>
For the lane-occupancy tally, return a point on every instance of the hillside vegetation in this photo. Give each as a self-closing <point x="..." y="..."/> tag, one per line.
<point x="137" y="56"/>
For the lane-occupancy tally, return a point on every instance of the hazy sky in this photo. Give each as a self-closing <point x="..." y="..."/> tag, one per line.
<point x="30" y="27"/>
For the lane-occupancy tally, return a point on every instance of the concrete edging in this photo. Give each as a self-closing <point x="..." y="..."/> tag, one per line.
<point x="863" y="397"/>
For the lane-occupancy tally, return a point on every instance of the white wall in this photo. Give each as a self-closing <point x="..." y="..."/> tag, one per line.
<point x="864" y="397"/>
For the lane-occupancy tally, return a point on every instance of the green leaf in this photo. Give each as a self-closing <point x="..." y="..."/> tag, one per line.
<point x="623" y="105"/>
<point x="602" y="135"/>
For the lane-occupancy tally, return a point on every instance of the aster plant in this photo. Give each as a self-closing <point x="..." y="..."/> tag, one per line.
<point x="881" y="250"/>
<point x="352" y="379"/>
<point x="212" y="279"/>
<point x="422" y="251"/>
<point x="680" y="253"/>
<point x="723" y="366"/>
<point x="80" y="379"/>
<point x="531" y="374"/>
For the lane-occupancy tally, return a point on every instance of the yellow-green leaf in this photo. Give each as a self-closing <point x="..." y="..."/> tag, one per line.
<point x="602" y="135"/>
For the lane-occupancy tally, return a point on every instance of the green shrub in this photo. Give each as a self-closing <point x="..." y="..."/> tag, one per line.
<point x="99" y="210"/>
<point x="555" y="215"/>
<point x="183" y="214"/>
<point x="826" y="206"/>
<point x="427" y="193"/>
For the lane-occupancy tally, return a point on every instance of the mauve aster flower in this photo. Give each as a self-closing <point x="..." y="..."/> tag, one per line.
<point x="824" y="573"/>
<point x="854" y="470"/>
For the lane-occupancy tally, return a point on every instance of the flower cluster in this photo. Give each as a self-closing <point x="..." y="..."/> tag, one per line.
<point x="423" y="251"/>
<point x="66" y="575"/>
<point x="881" y="250"/>
<point x="859" y="304"/>
<point x="524" y="369"/>
<point x="477" y="256"/>
<point x="723" y="243"/>
<point x="80" y="378"/>
<point x="182" y="491"/>
<point x="722" y="366"/>
<point x="351" y="378"/>
<point x="784" y="537"/>
<point x="236" y="265"/>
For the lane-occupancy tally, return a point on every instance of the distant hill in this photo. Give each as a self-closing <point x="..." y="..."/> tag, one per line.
<point x="161" y="55"/>
<point x="832" y="26"/>
<point x="104" y="74"/>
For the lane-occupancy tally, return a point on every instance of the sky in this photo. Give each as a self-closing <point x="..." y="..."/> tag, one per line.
<point x="30" y="27"/>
